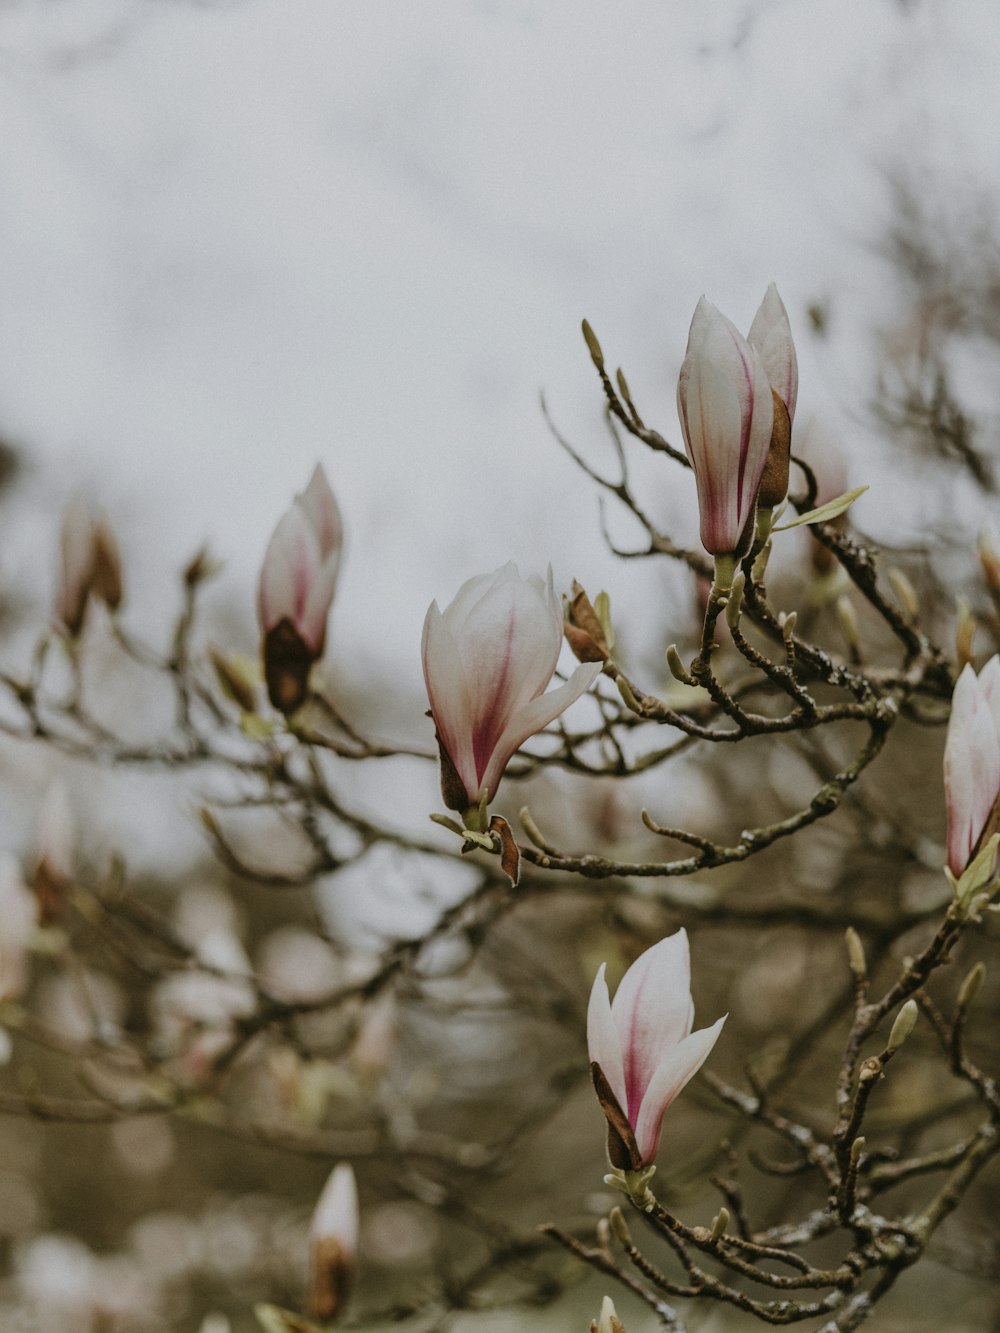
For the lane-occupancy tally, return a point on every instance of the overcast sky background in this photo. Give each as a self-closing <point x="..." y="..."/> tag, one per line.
<point x="236" y="238"/>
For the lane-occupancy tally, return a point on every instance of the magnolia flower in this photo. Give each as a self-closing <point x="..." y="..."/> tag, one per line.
<point x="333" y="1244"/>
<point x="487" y="660"/>
<point x="297" y="583"/>
<point x="642" y="1049"/>
<point x="726" y="411"/>
<point x="972" y="765"/>
<point x="771" y="338"/>
<point x="90" y="565"/>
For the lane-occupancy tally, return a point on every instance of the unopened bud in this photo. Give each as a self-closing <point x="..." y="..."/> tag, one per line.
<point x="628" y="697"/>
<point x="965" y="632"/>
<point x="970" y="986"/>
<point x="786" y="622"/>
<point x="856" y="953"/>
<point x="735" y="604"/>
<point x="619" y="1226"/>
<point x="857" y="1148"/>
<point x="583" y="627"/>
<point x="608" y="1321"/>
<point x="676" y="666"/>
<point x="847" y="619"/>
<point x="906" y="594"/>
<point x="720" y="1222"/>
<point x="903" y="1025"/>
<point x="623" y="389"/>
<point x="593" y="346"/>
<point x="333" y="1244"/>
<point x="760" y="564"/>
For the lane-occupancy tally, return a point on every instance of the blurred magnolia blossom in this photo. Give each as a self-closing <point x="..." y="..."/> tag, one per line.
<point x="972" y="771"/>
<point x="90" y="565"/>
<point x="726" y="412"/>
<point x="333" y="1244"/>
<point x="487" y="659"/>
<point x="53" y="859"/>
<point x="18" y="918"/>
<point x="642" y="1049"/>
<point x="297" y="583"/>
<point x="194" y="1011"/>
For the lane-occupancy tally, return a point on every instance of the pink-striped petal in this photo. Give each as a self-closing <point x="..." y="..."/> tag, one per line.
<point x="678" y="1067"/>
<point x="322" y="512"/>
<point x="603" y="1045"/>
<point x="531" y="718"/>
<point x="771" y="336"/>
<point x="653" y="1011"/>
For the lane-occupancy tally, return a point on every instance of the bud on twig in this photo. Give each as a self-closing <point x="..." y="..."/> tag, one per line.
<point x="857" y="1148"/>
<point x="856" y="954"/>
<point x="619" y="1226"/>
<point x="970" y="987"/>
<point x="906" y="594"/>
<point x="677" y="668"/>
<point x="593" y="346"/>
<point x="903" y="1025"/>
<point x="735" y="604"/>
<point x="333" y="1244"/>
<point x="587" y="632"/>
<point x="720" y="1222"/>
<point x="608" y="1321"/>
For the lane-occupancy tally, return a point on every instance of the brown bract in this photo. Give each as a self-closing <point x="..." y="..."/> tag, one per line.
<point x="330" y="1278"/>
<point x="774" y="480"/>
<point x="288" y="660"/>
<point x="583" y="630"/>
<point x="623" y="1151"/>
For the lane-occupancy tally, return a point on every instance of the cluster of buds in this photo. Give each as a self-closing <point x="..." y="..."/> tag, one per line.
<point x="643" y="1052"/>
<point x="297" y="583"/>
<point x="972" y="781"/>
<point x="736" y="401"/>
<point x="90" y="566"/>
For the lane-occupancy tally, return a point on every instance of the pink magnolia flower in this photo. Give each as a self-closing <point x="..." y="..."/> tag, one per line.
<point x="972" y="764"/>
<point x="333" y="1244"/>
<point x="726" y="412"/>
<point x="487" y="660"/>
<point x="771" y="338"/>
<point x="297" y="583"/>
<point x="90" y="565"/>
<point x="642" y="1049"/>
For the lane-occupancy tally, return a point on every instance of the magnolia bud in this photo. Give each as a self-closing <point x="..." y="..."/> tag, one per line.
<point x="906" y="594"/>
<point x="903" y="1025"/>
<point x="297" y="582"/>
<point x="608" y="1321"/>
<point x="585" y="633"/>
<point x="333" y="1244"/>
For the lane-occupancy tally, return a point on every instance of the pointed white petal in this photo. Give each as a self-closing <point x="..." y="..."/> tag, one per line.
<point x="652" y="1010"/>
<point x="676" y="1069"/>
<point x="602" y="1037"/>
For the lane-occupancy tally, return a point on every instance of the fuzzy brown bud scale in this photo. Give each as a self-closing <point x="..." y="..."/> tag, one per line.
<point x="288" y="659"/>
